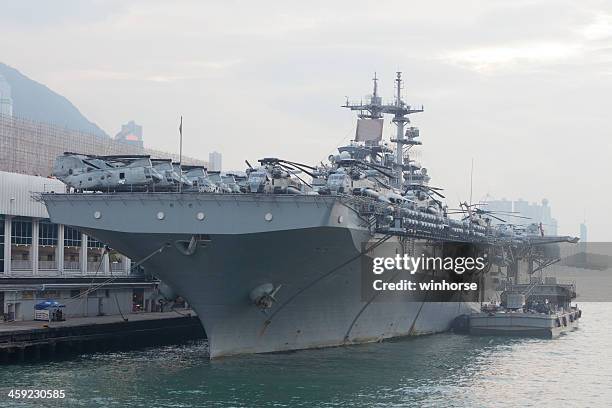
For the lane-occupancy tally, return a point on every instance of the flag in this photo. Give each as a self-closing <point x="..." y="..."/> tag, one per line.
<point x="181" y="127"/>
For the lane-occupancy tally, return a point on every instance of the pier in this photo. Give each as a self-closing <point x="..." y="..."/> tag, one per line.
<point x="36" y="340"/>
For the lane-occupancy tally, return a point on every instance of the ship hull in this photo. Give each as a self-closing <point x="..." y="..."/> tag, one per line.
<point x="311" y="248"/>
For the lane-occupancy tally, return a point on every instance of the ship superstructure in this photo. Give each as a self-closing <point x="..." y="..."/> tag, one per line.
<point x="273" y="261"/>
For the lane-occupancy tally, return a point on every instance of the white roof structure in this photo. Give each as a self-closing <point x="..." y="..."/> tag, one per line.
<point x="16" y="194"/>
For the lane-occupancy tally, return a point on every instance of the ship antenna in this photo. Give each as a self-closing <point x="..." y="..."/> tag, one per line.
<point x="399" y="120"/>
<point x="400" y="111"/>
<point x="375" y="92"/>
<point x="181" y="155"/>
<point x="471" y="181"/>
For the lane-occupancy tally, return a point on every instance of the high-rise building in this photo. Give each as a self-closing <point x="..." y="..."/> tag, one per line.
<point x="214" y="161"/>
<point x="583" y="233"/>
<point x="499" y="205"/>
<point x="6" y="100"/>
<point x="537" y="213"/>
<point x="131" y="133"/>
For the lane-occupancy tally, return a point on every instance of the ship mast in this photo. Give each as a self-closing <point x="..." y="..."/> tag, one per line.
<point x="400" y="111"/>
<point x="399" y="121"/>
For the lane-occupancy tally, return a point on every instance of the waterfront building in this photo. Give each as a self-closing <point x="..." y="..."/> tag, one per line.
<point x="40" y="260"/>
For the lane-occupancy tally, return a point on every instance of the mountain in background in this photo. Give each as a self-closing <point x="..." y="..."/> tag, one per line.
<point x="35" y="101"/>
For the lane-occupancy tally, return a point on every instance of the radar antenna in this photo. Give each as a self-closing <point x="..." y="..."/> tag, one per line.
<point x="375" y="109"/>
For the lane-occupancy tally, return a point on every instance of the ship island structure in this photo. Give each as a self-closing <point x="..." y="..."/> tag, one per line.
<point x="274" y="260"/>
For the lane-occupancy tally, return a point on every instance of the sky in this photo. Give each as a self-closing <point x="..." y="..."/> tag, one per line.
<point x="522" y="87"/>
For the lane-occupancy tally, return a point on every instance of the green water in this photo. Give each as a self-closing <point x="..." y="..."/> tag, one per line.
<point x="440" y="370"/>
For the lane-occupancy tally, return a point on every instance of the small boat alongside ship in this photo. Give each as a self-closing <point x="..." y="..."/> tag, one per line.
<point x="538" y="309"/>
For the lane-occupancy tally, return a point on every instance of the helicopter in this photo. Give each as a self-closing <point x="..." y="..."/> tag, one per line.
<point x="359" y="176"/>
<point x="118" y="172"/>
<point x="276" y="176"/>
<point x="424" y="197"/>
<point x="216" y="179"/>
<point x="482" y="217"/>
<point x="230" y="181"/>
<point x="169" y="173"/>
<point x="198" y="176"/>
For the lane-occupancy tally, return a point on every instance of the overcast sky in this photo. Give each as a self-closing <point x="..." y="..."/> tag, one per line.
<point x="521" y="86"/>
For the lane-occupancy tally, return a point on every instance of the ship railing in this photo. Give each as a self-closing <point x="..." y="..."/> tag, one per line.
<point x="369" y="207"/>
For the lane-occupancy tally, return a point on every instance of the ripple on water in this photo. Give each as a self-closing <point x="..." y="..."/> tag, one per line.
<point x="440" y="370"/>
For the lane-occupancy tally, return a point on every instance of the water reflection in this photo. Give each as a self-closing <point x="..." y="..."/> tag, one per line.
<point x="439" y="370"/>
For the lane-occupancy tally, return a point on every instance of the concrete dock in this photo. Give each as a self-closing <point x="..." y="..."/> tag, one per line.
<point x="34" y="340"/>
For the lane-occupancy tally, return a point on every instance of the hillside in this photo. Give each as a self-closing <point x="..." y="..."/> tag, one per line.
<point x="33" y="100"/>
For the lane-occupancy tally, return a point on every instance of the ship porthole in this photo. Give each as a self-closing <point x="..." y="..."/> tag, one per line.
<point x="160" y="215"/>
<point x="340" y="219"/>
<point x="97" y="215"/>
<point x="268" y="217"/>
<point x="200" y="216"/>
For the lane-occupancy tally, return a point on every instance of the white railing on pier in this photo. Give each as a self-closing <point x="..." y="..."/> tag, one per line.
<point x="95" y="267"/>
<point x="47" y="265"/>
<point x="117" y="267"/>
<point x="21" y="264"/>
<point x="72" y="265"/>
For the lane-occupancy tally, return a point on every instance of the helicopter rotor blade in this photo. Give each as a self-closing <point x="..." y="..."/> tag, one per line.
<point x="292" y="172"/>
<point x="379" y="166"/>
<point x="502" y="213"/>
<point x="516" y="216"/>
<point x="87" y="162"/>
<point x="377" y="169"/>
<point x="497" y="218"/>
<point x="381" y="183"/>
<point x="438" y="194"/>
<point x="305" y="171"/>
<point x="297" y="164"/>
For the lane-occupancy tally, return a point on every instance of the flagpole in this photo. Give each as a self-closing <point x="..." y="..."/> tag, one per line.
<point x="181" y="156"/>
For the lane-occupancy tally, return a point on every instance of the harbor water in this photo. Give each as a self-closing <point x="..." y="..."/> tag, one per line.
<point x="437" y="370"/>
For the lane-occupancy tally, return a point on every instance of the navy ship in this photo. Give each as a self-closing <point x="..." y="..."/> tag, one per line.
<point x="274" y="260"/>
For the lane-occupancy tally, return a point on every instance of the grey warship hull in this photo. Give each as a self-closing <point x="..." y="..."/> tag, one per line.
<point x="213" y="249"/>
